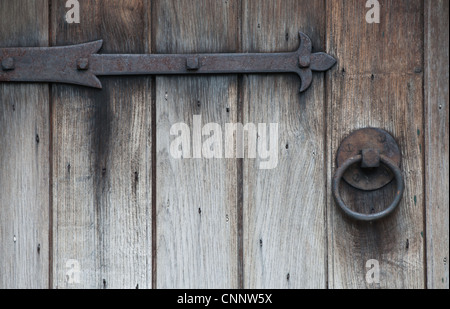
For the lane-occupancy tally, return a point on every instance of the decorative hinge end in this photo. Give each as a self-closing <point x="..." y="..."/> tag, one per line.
<point x="308" y="62"/>
<point x="66" y="64"/>
<point x="322" y="62"/>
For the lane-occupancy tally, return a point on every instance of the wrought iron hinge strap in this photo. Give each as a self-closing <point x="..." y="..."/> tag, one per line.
<point x="81" y="64"/>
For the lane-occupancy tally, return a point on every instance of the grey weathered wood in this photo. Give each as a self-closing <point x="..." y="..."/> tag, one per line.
<point x="102" y="157"/>
<point x="196" y="198"/>
<point x="76" y="174"/>
<point x="24" y="156"/>
<point x="284" y="208"/>
<point x="378" y="83"/>
<point x="437" y="143"/>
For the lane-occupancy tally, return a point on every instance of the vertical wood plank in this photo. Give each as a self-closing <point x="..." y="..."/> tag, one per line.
<point x="102" y="157"/>
<point x="437" y="143"/>
<point x="196" y="198"/>
<point x="284" y="208"/>
<point x="24" y="156"/>
<point x="378" y="83"/>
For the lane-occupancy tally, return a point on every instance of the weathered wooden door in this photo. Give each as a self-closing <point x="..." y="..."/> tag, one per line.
<point x="91" y="197"/>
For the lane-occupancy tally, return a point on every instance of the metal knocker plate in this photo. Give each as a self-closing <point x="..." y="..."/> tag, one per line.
<point x="368" y="160"/>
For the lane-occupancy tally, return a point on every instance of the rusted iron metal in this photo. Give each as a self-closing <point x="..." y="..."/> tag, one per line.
<point x="368" y="217"/>
<point x="371" y="144"/>
<point x="8" y="64"/>
<point x="81" y="64"/>
<point x="368" y="159"/>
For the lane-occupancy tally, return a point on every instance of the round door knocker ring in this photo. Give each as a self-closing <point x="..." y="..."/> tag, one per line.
<point x="369" y="175"/>
<point x="371" y="217"/>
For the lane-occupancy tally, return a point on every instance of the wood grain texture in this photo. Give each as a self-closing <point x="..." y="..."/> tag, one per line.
<point x="284" y="208"/>
<point x="378" y="83"/>
<point x="76" y="164"/>
<point x="437" y="141"/>
<point x="24" y="156"/>
<point x="102" y="157"/>
<point x="196" y="198"/>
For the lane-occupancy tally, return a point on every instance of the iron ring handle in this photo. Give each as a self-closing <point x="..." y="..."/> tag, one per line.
<point x="372" y="217"/>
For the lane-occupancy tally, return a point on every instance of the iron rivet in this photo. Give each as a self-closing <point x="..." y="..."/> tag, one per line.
<point x="192" y="63"/>
<point x="370" y="158"/>
<point x="305" y="61"/>
<point x="83" y="64"/>
<point x="8" y="64"/>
